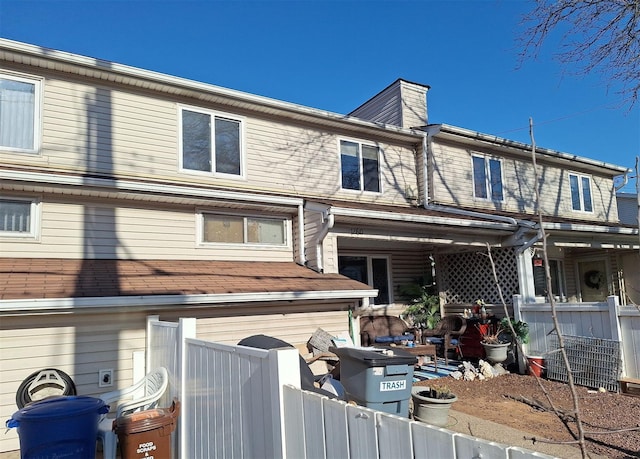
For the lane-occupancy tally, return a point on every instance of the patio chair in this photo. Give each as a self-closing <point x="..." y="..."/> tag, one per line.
<point x="141" y="396"/>
<point x="447" y="334"/>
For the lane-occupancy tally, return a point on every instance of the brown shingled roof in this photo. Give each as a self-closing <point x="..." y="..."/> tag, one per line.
<point x="32" y="278"/>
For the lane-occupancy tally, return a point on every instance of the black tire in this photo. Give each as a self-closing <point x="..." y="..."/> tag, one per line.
<point x="49" y="381"/>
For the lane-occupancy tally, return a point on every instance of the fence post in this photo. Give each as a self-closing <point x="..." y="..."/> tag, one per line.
<point x="284" y="368"/>
<point x="616" y="331"/>
<point x="613" y="306"/>
<point x="186" y="329"/>
<point x="150" y="319"/>
<point x="517" y="303"/>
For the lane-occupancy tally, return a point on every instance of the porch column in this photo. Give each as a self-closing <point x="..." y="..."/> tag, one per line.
<point x="525" y="277"/>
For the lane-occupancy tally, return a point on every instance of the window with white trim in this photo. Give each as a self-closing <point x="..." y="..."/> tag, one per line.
<point x="18" y="217"/>
<point x="370" y="270"/>
<point x="210" y="143"/>
<point x="556" y="271"/>
<point x="359" y="166"/>
<point x="19" y="113"/>
<point x="235" y="229"/>
<point x="487" y="178"/>
<point x="580" y="192"/>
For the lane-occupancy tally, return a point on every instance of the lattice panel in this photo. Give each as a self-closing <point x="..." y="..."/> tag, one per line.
<point x="466" y="277"/>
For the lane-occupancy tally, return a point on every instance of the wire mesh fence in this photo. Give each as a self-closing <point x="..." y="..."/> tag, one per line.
<point x="595" y="362"/>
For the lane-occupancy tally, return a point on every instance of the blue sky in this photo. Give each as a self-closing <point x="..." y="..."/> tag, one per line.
<point x="334" y="55"/>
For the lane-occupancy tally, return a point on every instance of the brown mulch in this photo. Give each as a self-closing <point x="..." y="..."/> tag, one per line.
<point x="514" y="400"/>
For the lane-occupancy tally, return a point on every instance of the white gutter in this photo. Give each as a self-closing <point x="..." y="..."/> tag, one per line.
<point x="590" y="228"/>
<point x="44" y="179"/>
<point x="402" y="217"/>
<point x="474" y="135"/>
<point x="146" y="302"/>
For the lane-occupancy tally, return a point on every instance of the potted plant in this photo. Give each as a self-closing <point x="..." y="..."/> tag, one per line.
<point x="494" y="343"/>
<point x="521" y="330"/>
<point x="424" y="308"/>
<point x="432" y="404"/>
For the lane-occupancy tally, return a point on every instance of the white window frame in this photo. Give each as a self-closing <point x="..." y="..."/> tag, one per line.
<point x="34" y="214"/>
<point x="581" y="197"/>
<point x="360" y="165"/>
<point x="37" y="111"/>
<point x="486" y="159"/>
<point x="213" y="114"/>
<point x="200" y="230"/>
<point x="369" y="258"/>
<point x="559" y="273"/>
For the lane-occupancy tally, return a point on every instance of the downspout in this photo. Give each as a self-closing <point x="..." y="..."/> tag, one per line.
<point x="530" y="242"/>
<point x="328" y="220"/>
<point x="302" y="259"/>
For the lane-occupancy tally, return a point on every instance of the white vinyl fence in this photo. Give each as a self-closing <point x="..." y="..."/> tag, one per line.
<point x="240" y="402"/>
<point x="607" y="320"/>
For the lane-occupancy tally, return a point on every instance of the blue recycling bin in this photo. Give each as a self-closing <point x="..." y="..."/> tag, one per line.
<point x="56" y="427"/>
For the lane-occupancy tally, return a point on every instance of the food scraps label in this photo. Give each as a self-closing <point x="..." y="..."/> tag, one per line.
<point x="146" y="448"/>
<point x="386" y="386"/>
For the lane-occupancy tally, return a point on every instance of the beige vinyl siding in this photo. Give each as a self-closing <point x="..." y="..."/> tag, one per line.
<point x="452" y="184"/>
<point x="72" y="230"/>
<point x="312" y="226"/>
<point x="385" y="107"/>
<point x="80" y="345"/>
<point x="104" y="129"/>
<point x="289" y="324"/>
<point x="414" y="105"/>
<point x="628" y="209"/>
<point x="330" y="254"/>
<point x="115" y="131"/>
<point x="401" y="104"/>
<point x="299" y="160"/>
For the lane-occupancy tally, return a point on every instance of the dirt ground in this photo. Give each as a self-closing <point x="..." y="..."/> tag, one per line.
<point x="508" y="400"/>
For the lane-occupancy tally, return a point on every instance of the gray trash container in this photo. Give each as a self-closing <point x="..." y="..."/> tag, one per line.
<point x="377" y="380"/>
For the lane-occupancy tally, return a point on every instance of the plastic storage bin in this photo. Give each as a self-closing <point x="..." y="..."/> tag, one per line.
<point x="56" y="427"/>
<point x="147" y="433"/>
<point x="377" y="379"/>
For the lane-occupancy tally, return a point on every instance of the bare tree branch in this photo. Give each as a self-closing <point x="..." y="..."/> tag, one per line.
<point x="552" y="301"/>
<point x="597" y="35"/>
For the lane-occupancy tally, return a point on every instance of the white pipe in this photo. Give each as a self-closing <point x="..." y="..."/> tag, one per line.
<point x="329" y="221"/>
<point x="302" y="259"/>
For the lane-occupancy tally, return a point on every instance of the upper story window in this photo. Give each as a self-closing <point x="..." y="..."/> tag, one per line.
<point x="210" y="142"/>
<point x="487" y="178"/>
<point x="580" y="192"/>
<point x="360" y="166"/>
<point x="233" y="229"/>
<point x="18" y="217"/>
<point x="19" y="113"/>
